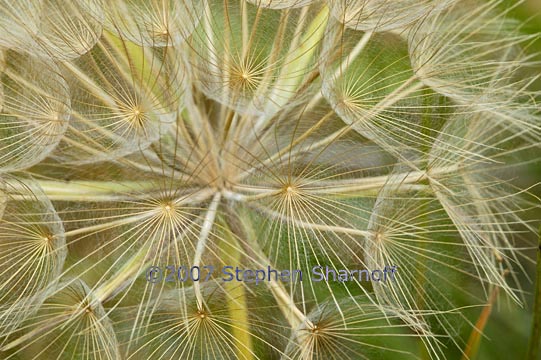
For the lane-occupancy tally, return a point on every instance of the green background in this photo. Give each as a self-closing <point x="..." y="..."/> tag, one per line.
<point x="508" y="329"/>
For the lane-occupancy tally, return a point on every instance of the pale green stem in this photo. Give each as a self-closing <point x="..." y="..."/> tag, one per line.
<point x="75" y="188"/>
<point x="201" y="196"/>
<point x="320" y="227"/>
<point x="294" y="316"/>
<point x="237" y="301"/>
<point x="128" y="271"/>
<point x="346" y="186"/>
<point x="33" y="334"/>
<point x="208" y="222"/>
<point x="96" y="191"/>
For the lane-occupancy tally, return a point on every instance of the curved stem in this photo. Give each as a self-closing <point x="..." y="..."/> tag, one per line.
<point x="337" y="187"/>
<point x="208" y="222"/>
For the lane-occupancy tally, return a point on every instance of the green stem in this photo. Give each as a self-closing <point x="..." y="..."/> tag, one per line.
<point x="237" y="301"/>
<point x="124" y="276"/>
<point x="535" y="337"/>
<point x="337" y="187"/>
<point x="88" y="188"/>
<point x="117" y="190"/>
<point x="96" y="191"/>
<point x="204" y="234"/>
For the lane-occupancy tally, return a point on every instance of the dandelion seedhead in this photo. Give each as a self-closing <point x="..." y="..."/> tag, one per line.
<point x="260" y="179"/>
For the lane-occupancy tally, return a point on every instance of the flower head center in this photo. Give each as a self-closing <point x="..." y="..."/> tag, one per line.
<point x="201" y="314"/>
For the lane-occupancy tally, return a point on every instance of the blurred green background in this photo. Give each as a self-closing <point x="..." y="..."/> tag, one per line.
<point x="508" y="328"/>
